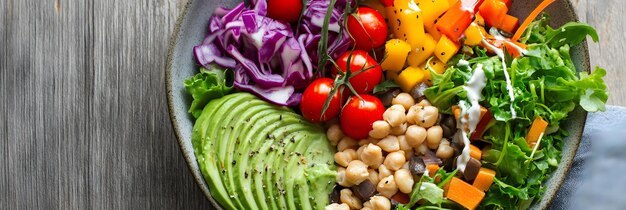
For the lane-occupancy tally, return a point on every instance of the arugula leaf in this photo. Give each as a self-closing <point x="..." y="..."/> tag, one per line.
<point x="385" y="86"/>
<point x="206" y="86"/>
<point x="572" y="33"/>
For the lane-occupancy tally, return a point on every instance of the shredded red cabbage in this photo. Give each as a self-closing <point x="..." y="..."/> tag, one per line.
<point x="270" y="59"/>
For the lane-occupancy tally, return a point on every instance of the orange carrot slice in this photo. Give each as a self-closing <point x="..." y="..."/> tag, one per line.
<point x="531" y="18"/>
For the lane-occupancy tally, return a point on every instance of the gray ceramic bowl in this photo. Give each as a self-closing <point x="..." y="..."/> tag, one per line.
<point x="191" y="28"/>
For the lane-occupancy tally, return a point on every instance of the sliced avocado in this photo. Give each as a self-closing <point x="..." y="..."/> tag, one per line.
<point x="264" y="153"/>
<point x="202" y="146"/>
<point x="236" y="125"/>
<point x="233" y="128"/>
<point x="244" y="172"/>
<point x="276" y="167"/>
<point x="222" y="130"/>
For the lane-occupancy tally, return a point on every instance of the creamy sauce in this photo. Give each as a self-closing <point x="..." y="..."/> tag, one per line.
<point x="413" y="6"/>
<point x="474" y="87"/>
<point x="509" y="85"/>
<point x="463" y="63"/>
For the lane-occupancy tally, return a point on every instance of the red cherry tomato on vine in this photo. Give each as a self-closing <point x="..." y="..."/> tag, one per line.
<point x="287" y="10"/>
<point x="358" y="115"/>
<point x="313" y="100"/>
<point x="365" y="81"/>
<point x="371" y="32"/>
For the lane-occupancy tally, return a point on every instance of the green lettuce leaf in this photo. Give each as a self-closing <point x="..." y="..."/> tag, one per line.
<point x="206" y="86"/>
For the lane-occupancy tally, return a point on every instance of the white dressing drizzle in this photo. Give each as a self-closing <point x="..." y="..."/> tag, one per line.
<point x="462" y="62"/>
<point x="509" y="85"/>
<point x="474" y="87"/>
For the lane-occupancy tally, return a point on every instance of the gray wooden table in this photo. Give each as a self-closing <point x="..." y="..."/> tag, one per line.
<point x="83" y="118"/>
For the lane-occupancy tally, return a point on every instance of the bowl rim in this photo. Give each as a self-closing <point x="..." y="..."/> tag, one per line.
<point x="544" y="203"/>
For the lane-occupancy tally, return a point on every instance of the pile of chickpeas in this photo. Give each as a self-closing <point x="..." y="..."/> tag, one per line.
<point x="408" y="128"/>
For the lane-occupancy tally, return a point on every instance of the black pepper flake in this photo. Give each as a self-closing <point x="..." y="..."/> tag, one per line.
<point x="387" y="182"/>
<point x="423" y="121"/>
<point x="281" y="117"/>
<point x="245" y="175"/>
<point x="395" y="12"/>
<point x="400" y="9"/>
<point x="443" y="53"/>
<point x="404" y="35"/>
<point x="423" y="49"/>
<point x="399" y="23"/>
<point x="456" y="29"/>
<point x="418" y="16"/>
<point x="234" y="162"/>
<point x="223" y="171"/>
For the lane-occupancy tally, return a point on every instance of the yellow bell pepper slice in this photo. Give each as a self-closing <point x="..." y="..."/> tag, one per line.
<point x="396" y="52"/>
<point x="409" y="23"/>
<point x="432" y="9"/>
<point x="446" y="48"/>
<point x="474" y="35"/>
<point x="409" y="78"/>
<point x="423" y="51"/>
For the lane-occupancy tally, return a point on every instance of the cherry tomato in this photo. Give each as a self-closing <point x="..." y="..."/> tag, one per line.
<point x="365" y="81"/>
<point x="371" y="32"/>
<point x="358" y="115"/>
<point x="387" y="3"/>
<point x="313" y="100"/>
<point x="287" y="10"/>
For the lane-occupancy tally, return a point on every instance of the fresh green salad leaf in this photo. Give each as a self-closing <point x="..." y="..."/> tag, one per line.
<point x="385" y="86"/>
<point x="545" y="84"/>
<point x="206" y="86"/>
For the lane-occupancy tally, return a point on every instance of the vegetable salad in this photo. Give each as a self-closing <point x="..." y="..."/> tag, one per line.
<point x="430" y="104"/>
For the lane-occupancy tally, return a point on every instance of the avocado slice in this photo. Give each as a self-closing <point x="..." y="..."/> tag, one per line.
<point x="202" y="147"/>
<point x="241" y="129"/>
<point x="244" y="172"/>
<point x="274" y="178"/>
<point x="236" y="125"/>
<point x="222" y="131"/>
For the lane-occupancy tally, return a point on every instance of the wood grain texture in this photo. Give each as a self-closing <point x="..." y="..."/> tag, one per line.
<point x="83" y="118"/>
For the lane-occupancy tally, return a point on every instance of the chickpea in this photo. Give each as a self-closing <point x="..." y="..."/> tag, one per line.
<point x="383" y="172"/>
<point x="411" y="115"/>
<point x="359" y="152"/>
<point x="387" y="186"/>
<point x="367" y="141"/>
<point x="397" y="108"/>
<point x="347" y="197"/>
<point x="395" y="160"/>
<point x="334" y="134"/>
<point x="356" y="172"/>
<point x="415" y="135"/>
<point x="424" y="102"/>
<point x="422" y="149"/>
<point x="372" y="156"/>
<point x="404" y="180"/>
<point x="434" y="136"/>
<point x="336" y="206"/>
<point x="395" y="115"/>
<point x="389" y="144"/>
<point x="404" y="145"/>
<point x="380" y="203"/>
<point x="405" y="166"/>
<point x="368" y="205"/>
<point x="341" y="177"/>
<point x="398" y="130"/>
<point x="427" y="116"/>
<point x="408" y="153"/>
<point x="373" y="177"/>
<point x="343" y="158"/>
<point x="380" y="129"/>
<point x="445" y="151"/>
<point x="404" y="99"/>
<point x="347" y="143"/>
